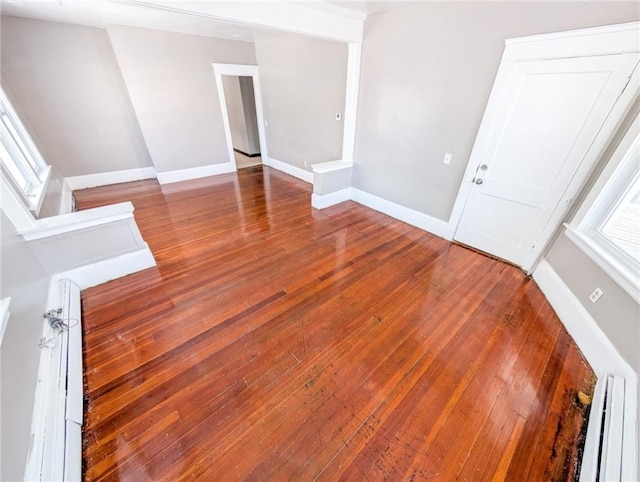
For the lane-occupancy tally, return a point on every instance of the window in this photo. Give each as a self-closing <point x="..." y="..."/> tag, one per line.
<point x="20" y="160"/>
<point x="607" y="226"/>
<point x="622" y="226"/>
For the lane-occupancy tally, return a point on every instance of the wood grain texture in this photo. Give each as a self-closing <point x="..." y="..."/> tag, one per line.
<point x="277" y="342"/>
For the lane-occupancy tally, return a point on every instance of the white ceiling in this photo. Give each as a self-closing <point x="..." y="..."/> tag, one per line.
<point x="99" y="13"/>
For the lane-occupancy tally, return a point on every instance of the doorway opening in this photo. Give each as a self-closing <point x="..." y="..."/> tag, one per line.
<point x="243" y="123"/>
<point x="241" y="107"/>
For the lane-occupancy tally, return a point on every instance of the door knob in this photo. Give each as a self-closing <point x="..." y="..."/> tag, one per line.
<point x="478" y="181"/>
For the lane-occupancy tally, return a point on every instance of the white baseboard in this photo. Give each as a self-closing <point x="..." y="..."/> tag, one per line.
<point x="599" y="351"/>
<point x="306" y="176"/>
<point x="592" y="341"/>
<point x="109" y="269"/>
<point x="408" y="215"/>
<point x="169" y="177"/>
<point x="106" y="178"/>
<point x="331" y="199"/>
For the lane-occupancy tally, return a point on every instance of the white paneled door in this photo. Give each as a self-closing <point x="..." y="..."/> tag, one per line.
<point x="541" y="131"/>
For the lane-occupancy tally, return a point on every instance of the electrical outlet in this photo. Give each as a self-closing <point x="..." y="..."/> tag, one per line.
<point x="266" y="124"/>
<point x="306" y="163"/>
<point x="338" y="116"/>
<point x="595" y="296"/>
<point x="447" y="159"/>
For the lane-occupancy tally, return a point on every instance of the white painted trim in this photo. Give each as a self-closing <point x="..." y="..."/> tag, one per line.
<point x="294" y="171"/>
<point x="46" y="457"/>
<point x="593" y="155"/>
<point x="410" y="216"/>
<point x="245" y="71"/>
<point x="586" y="42"/>
<point x="13" y="206"/>
<point x="331" y="166"/>
<point x="354" y="57"/>
<point x="107" y="178"/>
<point x="38" y="177"/>
<point x="623" y="274"/>
<point x="66" y="199"/>
<point x="73" y="452"/>
<point x="619" y="164"/>
<point x="55" y="225"/>
<point x="169" y="177"/>
<point x="334" y="9"/>
<point x="294" y="17"/>
<point x="603" y="196"/>
<point x="225" y="117"/>
<point x="501" y="85"/>
<point x="592" y="341"/>
<point x="326" y="200"/>
<point x="601" y="354"/>
<point x="41" y="191"/>
<point x="590" y="453"/>
<point x="4" y="316"/>
<point x="109" y="269"/>
<point x="614" y="423"/>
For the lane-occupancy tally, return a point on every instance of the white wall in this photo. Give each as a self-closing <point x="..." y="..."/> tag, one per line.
<point x="303" y="82"/>
<point x="427" y="71"/>
<point x="171" y="83"/>
<point x="26" y="281"/>
<point x="67" y="86"/>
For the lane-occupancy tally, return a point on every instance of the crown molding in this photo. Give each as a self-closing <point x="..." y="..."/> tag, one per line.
<point x="332" y="9"/>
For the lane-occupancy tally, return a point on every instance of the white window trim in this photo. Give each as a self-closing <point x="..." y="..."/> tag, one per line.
<point x="34" y="198"/>
<point x="582" y="229"/>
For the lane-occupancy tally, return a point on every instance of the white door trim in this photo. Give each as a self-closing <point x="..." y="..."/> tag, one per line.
<point x="354" y="56"/>
<point x="584" y="43"/>
<point x="242" y="71"/>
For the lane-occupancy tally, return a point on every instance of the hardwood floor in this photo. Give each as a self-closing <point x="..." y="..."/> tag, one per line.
<point x="278" y="342"/>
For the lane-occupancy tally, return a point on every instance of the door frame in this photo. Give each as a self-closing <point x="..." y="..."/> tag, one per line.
<point x="588" y="42"/>
<point x="241" y="71"/>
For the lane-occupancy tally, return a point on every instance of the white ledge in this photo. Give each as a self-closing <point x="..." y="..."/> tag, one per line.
<point x="625" y="276"/>
<point x="330" y="166"/>
<point x="65" y="223"/>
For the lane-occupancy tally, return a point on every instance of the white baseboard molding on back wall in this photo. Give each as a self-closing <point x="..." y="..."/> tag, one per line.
<point x="306" y="176"/>
<point x="179" y="175"/>
<point x="601" y="354"/>
<point x="410" y="216"/>
<point x="106" y="178"/>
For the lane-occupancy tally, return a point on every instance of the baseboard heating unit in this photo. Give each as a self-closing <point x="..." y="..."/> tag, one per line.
<point x="609" y="446"/>
<point x="55" y="444"/>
